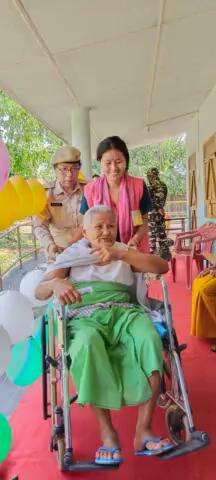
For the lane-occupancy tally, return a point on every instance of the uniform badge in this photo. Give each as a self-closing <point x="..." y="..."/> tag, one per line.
<point x="137" y="218"/>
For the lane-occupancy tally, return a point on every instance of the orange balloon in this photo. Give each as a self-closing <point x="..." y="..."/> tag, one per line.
<point x="25" y="196"/>
<point x="9" y="205"/>
<point x="39" y="196"/>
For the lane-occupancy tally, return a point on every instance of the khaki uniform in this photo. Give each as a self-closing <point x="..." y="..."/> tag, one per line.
<point x="60" y="218"/>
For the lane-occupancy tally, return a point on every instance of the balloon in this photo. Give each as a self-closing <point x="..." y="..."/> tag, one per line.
<point x="28" y="286"/>
<point x="81" y="177"/>
<point x="39" y="196"/>
<point x="5" y="437"/>
<point x="9" y="205"/>
<point x="26" y="363"/>
<point x="5" y="350"/>
<point x="25" y="196"/>
<point x="16" y="315"/>
<point x="4" y="164"/>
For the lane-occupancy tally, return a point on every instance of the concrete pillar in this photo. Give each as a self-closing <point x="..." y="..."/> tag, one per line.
<point x="80" y="126"/>
<point x="200" y="176"/>
<point x="188" y="212"/>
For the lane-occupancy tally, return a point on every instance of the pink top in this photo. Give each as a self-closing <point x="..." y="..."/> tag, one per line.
<point x="128" y="208"/>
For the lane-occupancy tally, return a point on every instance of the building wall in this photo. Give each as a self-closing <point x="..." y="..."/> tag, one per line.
<point x="202" y="127"/>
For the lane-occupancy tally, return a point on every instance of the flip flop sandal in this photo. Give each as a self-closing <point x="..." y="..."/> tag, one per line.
<point x="147" y="452"/>
<point x="108" y="461"/>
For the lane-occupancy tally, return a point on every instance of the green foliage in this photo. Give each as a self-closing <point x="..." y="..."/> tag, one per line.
<point x="30" y="144"/>
<point x="169" y="157"/>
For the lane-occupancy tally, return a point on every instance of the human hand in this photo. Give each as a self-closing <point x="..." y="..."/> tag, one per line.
<point x="203" y="273"/>
<point x="106" y="253"/>
<point x="65" y="291"/>
<point x="53" y="250"/>
<point x="134" y="241"/>
<point x="212" y="271"/>
<point x="161" y="211"/>
<point x="208" y="271"/>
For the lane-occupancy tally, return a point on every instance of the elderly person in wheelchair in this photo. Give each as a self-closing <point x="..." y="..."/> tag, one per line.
<point x="115" y="351"/>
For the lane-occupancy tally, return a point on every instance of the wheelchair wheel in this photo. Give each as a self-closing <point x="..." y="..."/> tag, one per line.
<point x="177" y="425"/>
<point x="164" y="401"/>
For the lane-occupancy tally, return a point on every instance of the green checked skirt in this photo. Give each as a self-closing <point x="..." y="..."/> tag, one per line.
<point x="114" y="347"/>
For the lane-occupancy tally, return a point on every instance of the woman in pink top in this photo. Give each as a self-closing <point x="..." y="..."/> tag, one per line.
<point x="128" y="196"/>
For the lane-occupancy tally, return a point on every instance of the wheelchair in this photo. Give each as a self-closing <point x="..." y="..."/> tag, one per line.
<point x="57" y="403"/>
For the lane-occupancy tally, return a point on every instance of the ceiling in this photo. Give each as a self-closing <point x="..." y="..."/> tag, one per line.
<point x="142" y="66"/>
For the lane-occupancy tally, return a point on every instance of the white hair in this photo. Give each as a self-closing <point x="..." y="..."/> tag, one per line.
<point x="87" y="220"/>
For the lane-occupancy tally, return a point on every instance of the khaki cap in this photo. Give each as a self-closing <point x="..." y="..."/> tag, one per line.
<point x="66" y="155"/>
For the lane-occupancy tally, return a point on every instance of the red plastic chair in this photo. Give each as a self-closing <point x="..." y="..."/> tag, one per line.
<point x="183" y="240"/>
<point x="201" y="243"/>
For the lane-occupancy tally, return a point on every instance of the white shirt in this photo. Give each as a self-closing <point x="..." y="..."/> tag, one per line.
<point x="116" y="271"/>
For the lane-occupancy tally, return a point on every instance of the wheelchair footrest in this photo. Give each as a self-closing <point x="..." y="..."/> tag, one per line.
<point x="198" y="440"/>
<point x="70" y="466"/>
<point x="86" y="466"/>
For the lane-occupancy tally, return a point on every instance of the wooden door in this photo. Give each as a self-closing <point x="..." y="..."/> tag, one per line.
<point x="192" y="190"/>
<point x="210" y="176"/>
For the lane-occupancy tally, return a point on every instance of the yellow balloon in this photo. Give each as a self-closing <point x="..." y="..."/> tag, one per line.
<point x="81" y="177"/>
<point x="9" y="205"/>
<point x="39" y="196"/>
<point x="25" y="196"/>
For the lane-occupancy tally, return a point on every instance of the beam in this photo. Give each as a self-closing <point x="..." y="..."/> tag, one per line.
<point x="168" y="119"/>
<point x="32" y="27"/>
<point x="156" y="55"/>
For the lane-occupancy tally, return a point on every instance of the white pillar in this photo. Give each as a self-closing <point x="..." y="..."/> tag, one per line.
<point x="188" y="211"/>
<point x="80" y="125"/>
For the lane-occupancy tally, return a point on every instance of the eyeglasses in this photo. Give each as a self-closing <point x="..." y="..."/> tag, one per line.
<point x="65" y="170"/>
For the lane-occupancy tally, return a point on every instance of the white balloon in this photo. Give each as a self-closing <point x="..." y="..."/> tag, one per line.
<point x="28" y="286"/>
<point x="5" y="350"/>
<point x="16" y="315"/>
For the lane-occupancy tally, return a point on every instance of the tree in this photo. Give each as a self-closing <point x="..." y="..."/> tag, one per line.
<point x="169" y="157"/>
<point x="30" y="144"/>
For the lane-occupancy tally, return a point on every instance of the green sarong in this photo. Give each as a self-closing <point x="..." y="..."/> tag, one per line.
<point x="113" y="350"/>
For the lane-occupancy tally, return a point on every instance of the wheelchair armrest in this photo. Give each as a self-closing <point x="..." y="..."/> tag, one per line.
<point x="153" y="276"/>
<point x="60" y="308"/>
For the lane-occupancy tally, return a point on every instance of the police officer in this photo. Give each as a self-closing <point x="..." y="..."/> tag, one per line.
<point x="59" y="225"/>
<point x="157" y="227"/>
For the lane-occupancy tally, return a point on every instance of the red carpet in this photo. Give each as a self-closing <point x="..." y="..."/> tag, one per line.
<point x="30" y="458"/>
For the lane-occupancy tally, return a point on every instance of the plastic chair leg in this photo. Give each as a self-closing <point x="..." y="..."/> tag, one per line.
<point x="199" y="264"/>
<point x="188" y="270"/>
<point x="173" y="268"/>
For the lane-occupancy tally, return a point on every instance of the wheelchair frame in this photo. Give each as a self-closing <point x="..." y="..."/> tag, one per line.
<point x="174" y="399"/>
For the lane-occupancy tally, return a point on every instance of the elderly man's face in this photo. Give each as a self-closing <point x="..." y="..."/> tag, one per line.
<point x="103" y="229"/>
<point x="67" y="174"/>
